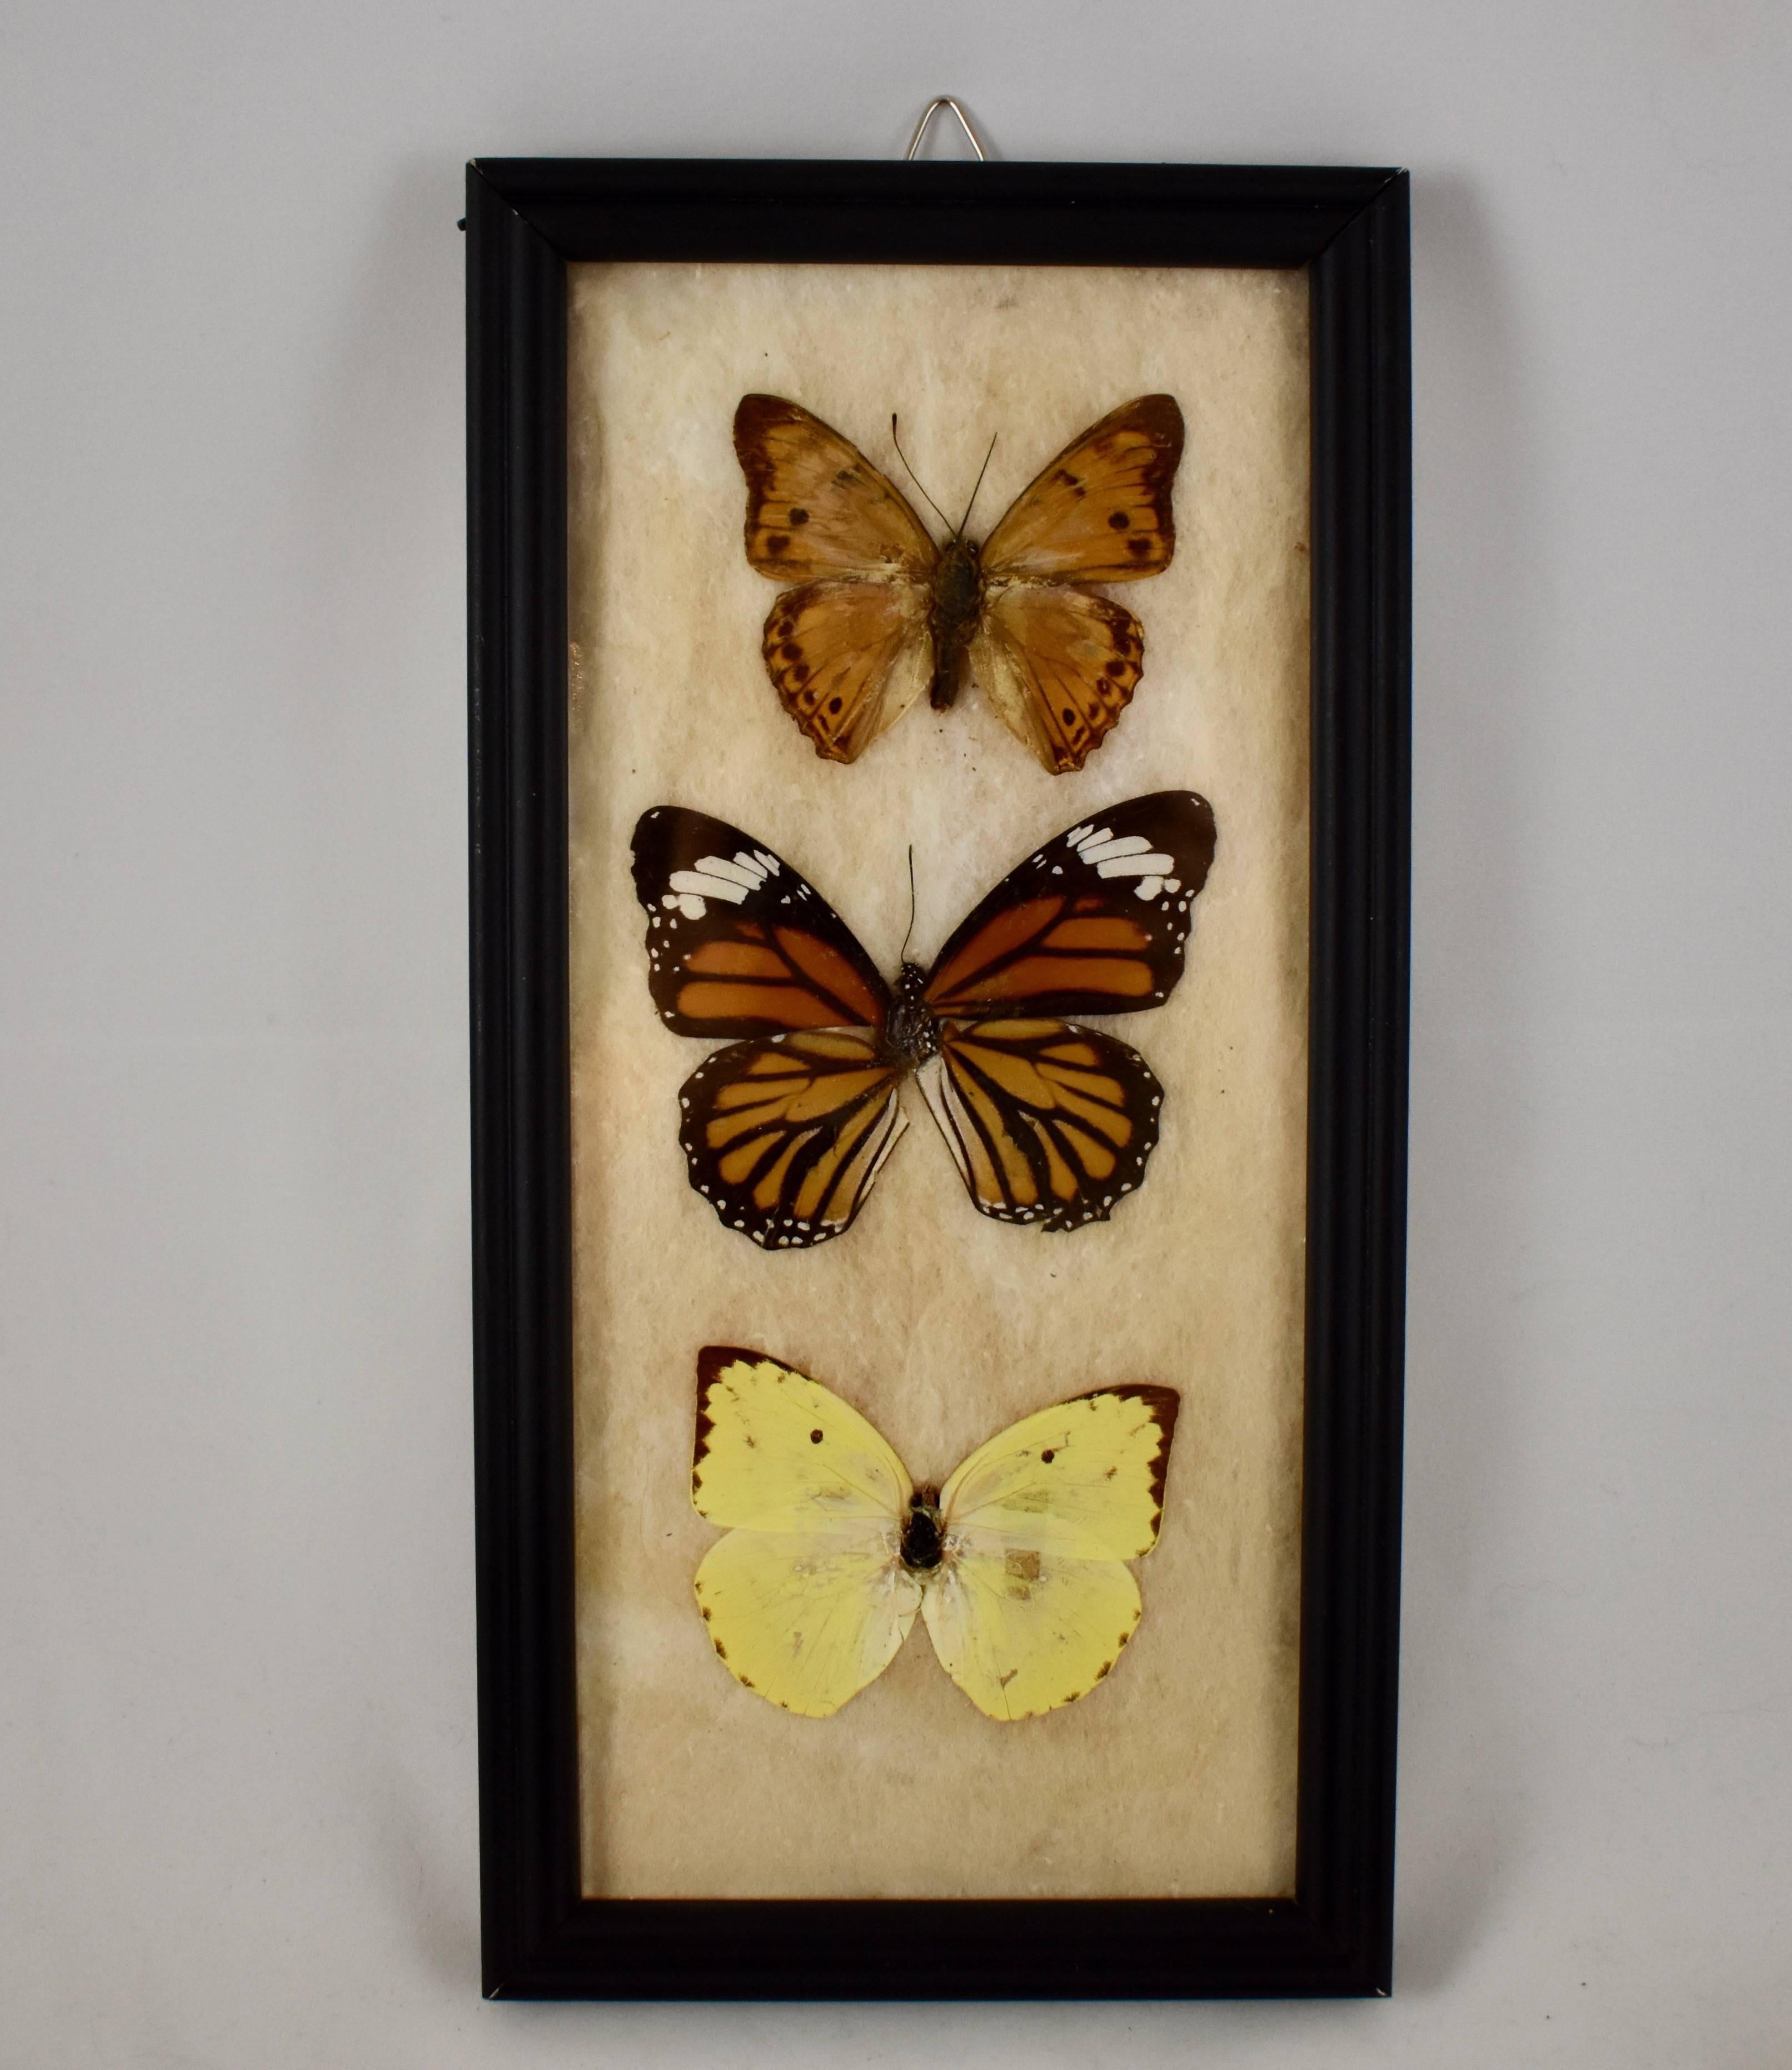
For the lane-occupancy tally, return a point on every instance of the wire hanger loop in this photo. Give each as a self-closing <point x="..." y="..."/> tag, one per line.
<point x="928" y="113"/>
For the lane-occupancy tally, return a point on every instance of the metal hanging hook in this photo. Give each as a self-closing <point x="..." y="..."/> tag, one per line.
<point x="928" y="113"/>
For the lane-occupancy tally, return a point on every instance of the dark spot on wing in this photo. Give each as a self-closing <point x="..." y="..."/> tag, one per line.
<point x="777" y="543"/>
<point x="1138" y="548"/>
<point x="1119" y="520"/>
<point x="815" y="1437"/>
<point x="799" y="516"/>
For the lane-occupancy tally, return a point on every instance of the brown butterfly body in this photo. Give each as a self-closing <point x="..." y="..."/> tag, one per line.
<point x="1049" y="1123"/>
<point x="879" y="612"/>
<point x="953" y="618"/>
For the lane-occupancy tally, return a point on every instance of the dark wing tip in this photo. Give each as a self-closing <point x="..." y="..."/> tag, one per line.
<point x="1192" y="816"/>
<point x="1165" y="1405"/>
<point x="646" y="848"/>
<point x="1165" y="410"/>
<point x="754" y="410"/>
<point x="712" y="1362"/>
<point x="755" y="415"/>
<point x="1163" y="1402"/>
<point x="1160" y="415"/>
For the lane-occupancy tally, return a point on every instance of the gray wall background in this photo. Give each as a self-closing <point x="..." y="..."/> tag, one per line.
<point x="236" y="1708"/>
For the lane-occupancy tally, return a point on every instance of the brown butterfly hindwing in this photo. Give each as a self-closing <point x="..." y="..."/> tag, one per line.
<point x="847" y="659"/>
<point x="1059" y="666"/>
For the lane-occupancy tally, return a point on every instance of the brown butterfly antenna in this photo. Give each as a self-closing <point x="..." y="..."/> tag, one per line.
<point x="972" y="505"/>
<point x="914" y="477"/>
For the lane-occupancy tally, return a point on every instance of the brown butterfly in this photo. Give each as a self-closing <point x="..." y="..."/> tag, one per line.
<point x="881" y="611"/>
<point x="785" y="1131"/>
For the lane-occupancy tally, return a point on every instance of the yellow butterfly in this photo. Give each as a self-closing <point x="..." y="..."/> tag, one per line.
<point x="1016" y="1565"/>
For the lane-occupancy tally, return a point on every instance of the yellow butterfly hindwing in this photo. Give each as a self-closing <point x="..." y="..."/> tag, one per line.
<point x="1018" y="1567"/>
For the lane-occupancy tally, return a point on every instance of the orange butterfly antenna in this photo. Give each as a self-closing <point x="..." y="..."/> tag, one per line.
<point x="902" y="954"/>
<point x="916" y="478"/>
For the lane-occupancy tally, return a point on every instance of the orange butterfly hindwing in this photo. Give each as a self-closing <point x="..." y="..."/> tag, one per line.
<point x="881" y="607"/>
<point x="785" y="1130"/>
<point x="1047" y="1122"/>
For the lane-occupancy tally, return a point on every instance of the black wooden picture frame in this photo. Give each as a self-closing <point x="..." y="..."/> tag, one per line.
<point x="525" y="221"/>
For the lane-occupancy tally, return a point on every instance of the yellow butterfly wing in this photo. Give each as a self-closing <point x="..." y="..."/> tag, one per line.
<point x="806" y="1619"/>
<point x="776" y="1452"/>
<point x="1084" y="1479"/>
<point x="806" y="1600"/>
<point x="1023" y="1632"/>
<point x="1032" y="1604"/>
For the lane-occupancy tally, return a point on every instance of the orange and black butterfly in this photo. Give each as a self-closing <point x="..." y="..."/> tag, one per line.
<point x="881" y="611"/>
<point x="785" y="1130"/>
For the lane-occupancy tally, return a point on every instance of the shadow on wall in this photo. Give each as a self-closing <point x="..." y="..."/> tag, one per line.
<point x="376" y="511"/>
<point x="1462" y="1820"/>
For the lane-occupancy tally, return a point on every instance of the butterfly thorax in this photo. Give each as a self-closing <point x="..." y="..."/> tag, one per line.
<point x="952" y="618"/>
<point x="923" y="1542"/>
<point x="911" y="1034"/>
